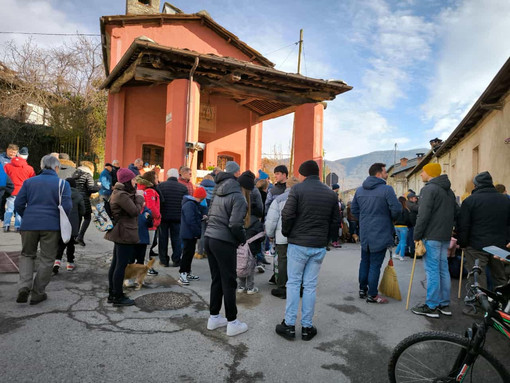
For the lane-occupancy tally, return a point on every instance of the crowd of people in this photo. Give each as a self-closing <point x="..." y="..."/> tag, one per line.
<point x="297" y="219"/>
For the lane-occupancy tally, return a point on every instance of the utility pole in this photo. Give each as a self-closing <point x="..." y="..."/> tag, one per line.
<point x="395" y="155"/>
<point x="291" y="164"/>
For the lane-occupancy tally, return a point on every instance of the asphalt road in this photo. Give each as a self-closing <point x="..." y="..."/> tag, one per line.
<point x="75" y="336"/>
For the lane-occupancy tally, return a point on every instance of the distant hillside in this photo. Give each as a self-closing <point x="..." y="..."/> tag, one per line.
<point x="352" y="171"/>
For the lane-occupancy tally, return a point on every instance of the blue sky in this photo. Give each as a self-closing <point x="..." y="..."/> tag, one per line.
<point x="416" y="66"/>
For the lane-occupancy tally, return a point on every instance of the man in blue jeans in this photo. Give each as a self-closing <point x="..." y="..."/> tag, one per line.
<point x="309" y="219"/>
<point x="434" y="224"/>
<point x="376" y="206"/>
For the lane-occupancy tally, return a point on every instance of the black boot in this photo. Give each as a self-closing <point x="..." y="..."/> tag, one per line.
<point x="122" y="300"/>
<point x="307" y="333"/>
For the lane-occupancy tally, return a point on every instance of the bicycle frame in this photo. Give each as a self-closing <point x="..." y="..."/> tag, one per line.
<point x="493" y="318"/>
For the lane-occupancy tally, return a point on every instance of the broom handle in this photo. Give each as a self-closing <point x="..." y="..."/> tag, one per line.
<point x="410" y="282"/>
<point x="461" y="270"/>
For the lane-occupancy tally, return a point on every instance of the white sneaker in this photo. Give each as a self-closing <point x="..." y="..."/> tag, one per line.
<point x="255" y="290"/>
<point x="129" y="283"/>
<point x="214" y="323"/>
<point x="236" y="327"/>
<point x="241" y="290"/>
<point x="183" y="279"/>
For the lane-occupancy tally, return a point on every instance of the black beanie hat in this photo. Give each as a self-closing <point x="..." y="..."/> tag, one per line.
<point x="309" y="168"/>
<point x="247" y="180"/>
<point x="281" y="169"/>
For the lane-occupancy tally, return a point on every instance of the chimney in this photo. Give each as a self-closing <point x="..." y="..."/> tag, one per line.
<point x="142" y="7"/>
<point x="403" y="162"/>
<point x="435" y="143"/>
<point x="419" y="156"/>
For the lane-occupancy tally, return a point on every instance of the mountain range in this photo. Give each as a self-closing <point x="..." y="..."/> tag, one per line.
<point x="352" y="171"/>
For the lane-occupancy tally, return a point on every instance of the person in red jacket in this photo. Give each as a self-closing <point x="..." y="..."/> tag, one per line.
<point x="147" y="182"/>
<point x="18" y="171"/>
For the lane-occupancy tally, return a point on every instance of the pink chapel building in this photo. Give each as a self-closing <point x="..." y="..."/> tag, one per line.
<point x="184" y="90"/>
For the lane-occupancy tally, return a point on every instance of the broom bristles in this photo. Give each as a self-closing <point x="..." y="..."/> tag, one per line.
<point x="389" y="282"/>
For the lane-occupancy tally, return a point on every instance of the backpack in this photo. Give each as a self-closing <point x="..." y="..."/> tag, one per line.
<point x="102" y="219"/>
<point x="245" y="260"/>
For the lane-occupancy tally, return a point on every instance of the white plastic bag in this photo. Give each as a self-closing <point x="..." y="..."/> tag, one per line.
<point x="65" y="226"/>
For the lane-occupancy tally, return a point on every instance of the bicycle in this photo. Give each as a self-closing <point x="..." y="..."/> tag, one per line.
<point x="438" y="356"/>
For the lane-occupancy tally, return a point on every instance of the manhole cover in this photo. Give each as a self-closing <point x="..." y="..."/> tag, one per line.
<point x="162" y="301"/>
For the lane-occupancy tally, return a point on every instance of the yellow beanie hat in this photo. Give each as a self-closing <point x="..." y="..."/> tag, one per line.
<point x="433" y="170"/>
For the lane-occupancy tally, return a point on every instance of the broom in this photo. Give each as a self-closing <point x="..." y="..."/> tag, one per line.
<point x="389" y="282"/>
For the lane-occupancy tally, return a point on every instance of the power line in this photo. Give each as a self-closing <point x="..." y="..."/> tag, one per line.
<point x="279" y="49"/>
<point x="49" y="34"/>
<point x="292" y="50"/>
<point x="304" y="59"/>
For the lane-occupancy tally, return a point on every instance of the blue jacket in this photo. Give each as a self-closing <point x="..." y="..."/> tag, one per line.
<point x="191" y="218"/>
<point x="4" y="159"/>
<point x="376" y="206"/>
<point x="6" y="184"/>
<point x="37" y="202"/>
<point x="106" y="183"/>
<point x="208" y="185"/>
<point x="144" y="223"/>
<point x="134" y="169"/>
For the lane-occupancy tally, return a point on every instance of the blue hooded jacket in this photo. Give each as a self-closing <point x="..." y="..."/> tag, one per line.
<point x="208" y="185"/>
<point x="191" y="218"/>
<point x="376" y="206"/>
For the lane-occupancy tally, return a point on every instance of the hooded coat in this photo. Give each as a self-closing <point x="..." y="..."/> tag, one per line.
<point x="86" y="185"/>
<point x="437" y="210"/>
<point x="227" y="211"/>
<point x="191" y="218"/>
<point x="106" y="183"/>
<point x="126" y="206"/>
<point x="152" y="201"/>
<point x="18" y="171"/>
<point x="376" y="206"/>
<point x="484" y="218"/>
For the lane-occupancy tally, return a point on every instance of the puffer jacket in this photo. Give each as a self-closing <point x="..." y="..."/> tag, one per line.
<point x="6" y="185"/>
<point x="171" y="199"/>
<point x="484" y="218"/>
<point x="376" y="206"/>
<point x="273" y="222"/>
<point x="86" y="185"/>
<point x="77" y="211"/>
<point x="276" y="190"/>
<point x="152" y="201"/>
<point x="191" y="218"/>
<point x="227" y="211"/>
<point x="67" y="169"/>
<point x="257" y="208"/>
<point x="437" y="211"/>
<point x="311" y="216"/>
<point x="18" y="170"/>
<point x="126" y="206"/>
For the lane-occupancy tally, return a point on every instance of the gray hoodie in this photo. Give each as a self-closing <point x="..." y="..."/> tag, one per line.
<point x="437" y="210"/>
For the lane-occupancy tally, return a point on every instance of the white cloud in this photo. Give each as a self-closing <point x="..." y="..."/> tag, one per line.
<point x="36" y="16"/>
<point x="473" y="48"/>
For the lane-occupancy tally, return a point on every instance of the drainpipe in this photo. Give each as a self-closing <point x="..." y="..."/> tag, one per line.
<point x="188" y="105"/>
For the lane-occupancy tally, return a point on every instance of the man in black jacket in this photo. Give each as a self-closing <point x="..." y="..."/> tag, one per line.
<point x="434" y="225"/>
<point x="171" y="196"/>
<point x="309" y="219"/>
<point x="484" y="220"/>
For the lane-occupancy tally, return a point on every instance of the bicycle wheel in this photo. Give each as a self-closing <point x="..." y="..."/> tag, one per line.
<point x="437" y="357"/>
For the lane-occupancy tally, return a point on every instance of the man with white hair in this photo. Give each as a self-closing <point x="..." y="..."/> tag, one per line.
<point x="172" y="193"/>
<point x="37" y="202"/>
<point x="136" y="166"/>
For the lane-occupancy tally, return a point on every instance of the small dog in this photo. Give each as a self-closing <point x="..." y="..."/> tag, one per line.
<point x="138" y="272"/>
<point x="355" y="238"/>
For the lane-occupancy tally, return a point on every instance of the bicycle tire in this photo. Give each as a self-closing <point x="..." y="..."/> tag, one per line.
<point x="405" y="364"/>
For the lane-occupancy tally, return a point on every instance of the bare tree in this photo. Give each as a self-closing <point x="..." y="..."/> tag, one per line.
<point x="63" y="81"/>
